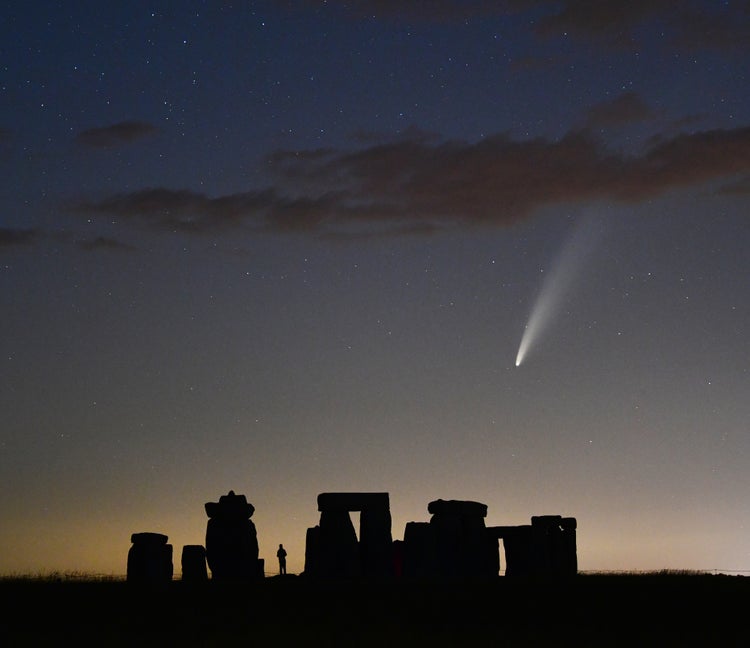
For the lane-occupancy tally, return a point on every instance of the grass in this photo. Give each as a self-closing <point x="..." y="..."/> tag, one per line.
<point x="665" y="608"/>
<point x="59" y="576"/>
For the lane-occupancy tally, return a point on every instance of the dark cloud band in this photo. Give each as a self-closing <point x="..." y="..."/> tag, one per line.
<point x="418" y="182"/>
<point x="114" y="135"/>
<point x="10" y="236"/>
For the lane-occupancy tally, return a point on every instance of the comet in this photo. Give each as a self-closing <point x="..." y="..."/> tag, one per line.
<point x="557" y="283"/>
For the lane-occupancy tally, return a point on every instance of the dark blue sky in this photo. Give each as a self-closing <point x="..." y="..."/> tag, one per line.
<point x="292" y="247"/>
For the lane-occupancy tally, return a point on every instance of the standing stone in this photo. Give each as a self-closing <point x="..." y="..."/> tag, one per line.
<point x="312" y="552"/>
<point x="339" y="550"/>
<point x="149" y="559"/>
<point x="569" y="563"/>
<point x="554" y="545"/>
<point x="231" y="539"/>
<point x="332" y="549"/>
<point x="376" y="542"/>
<point x="545" y="548"/>
<point x="420" y="557"/>
<point x="545" y="539"/>
<point x="194" y="564"/>
<point x="464" y="548"/>
<point x="517" y="546"/>
<point x="398" y="558"/>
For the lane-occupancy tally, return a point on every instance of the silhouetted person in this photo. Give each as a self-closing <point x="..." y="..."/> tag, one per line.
<point x="281" y="555"/>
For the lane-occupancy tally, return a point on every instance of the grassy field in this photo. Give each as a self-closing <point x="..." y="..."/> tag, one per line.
<point x="588" y="610"/>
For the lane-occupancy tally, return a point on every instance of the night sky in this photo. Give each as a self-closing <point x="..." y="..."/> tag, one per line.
<point x="287" y="248"/>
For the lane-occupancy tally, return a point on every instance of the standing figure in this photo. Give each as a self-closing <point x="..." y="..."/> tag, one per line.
<point x="281" y="555"/>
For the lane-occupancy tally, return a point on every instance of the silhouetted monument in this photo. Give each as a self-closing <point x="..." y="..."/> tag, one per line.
<point x="456" y="545"/>
<point x="453" y="545"/>
<point x="332" y="549"/>
<point x="231" y="539"/>
<point x="194" y="564"/>
<point x="150" y="559"/>
<point x="546" y="547"/>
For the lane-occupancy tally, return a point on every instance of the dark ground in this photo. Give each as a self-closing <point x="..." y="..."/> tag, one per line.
<point x="637" y="610"/>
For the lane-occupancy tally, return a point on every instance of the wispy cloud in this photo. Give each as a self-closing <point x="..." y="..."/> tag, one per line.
<point x="103" y="243"/>
<point x="689" y="24"/>
<point x="10" y="236"/>
<point x="115" y="134"/>
<point x="609" y="22"/>
<point x="740" y="187"/>
<point x="422" y="184"/>
<point x="725" y="27"/>
<point x="183" y="210"/>
<point x="627" y="108"/>
<point x="435" y="11"/>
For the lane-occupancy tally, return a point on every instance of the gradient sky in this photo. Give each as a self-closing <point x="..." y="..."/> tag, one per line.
<point x="286" y="248"/>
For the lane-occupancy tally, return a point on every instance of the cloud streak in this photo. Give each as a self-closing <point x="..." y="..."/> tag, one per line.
<point x="420" y="184"/>
<point x="739" y="188"/>
<point x="432" y="11"/>
<point x="114" y="135"/>
<point x="687" y="25"/>
<point x="103" y="243"/>
<point x="625" y="109"/>
<point x="13" y="237"/>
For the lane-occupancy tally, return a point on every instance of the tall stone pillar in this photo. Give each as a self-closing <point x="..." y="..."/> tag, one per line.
<point x="332" y="548"/>
<point x="194" y="564"/>
<point x="231" y="539"/>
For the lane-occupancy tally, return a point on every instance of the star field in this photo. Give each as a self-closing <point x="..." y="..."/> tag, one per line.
<point x="292" y="247"/>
